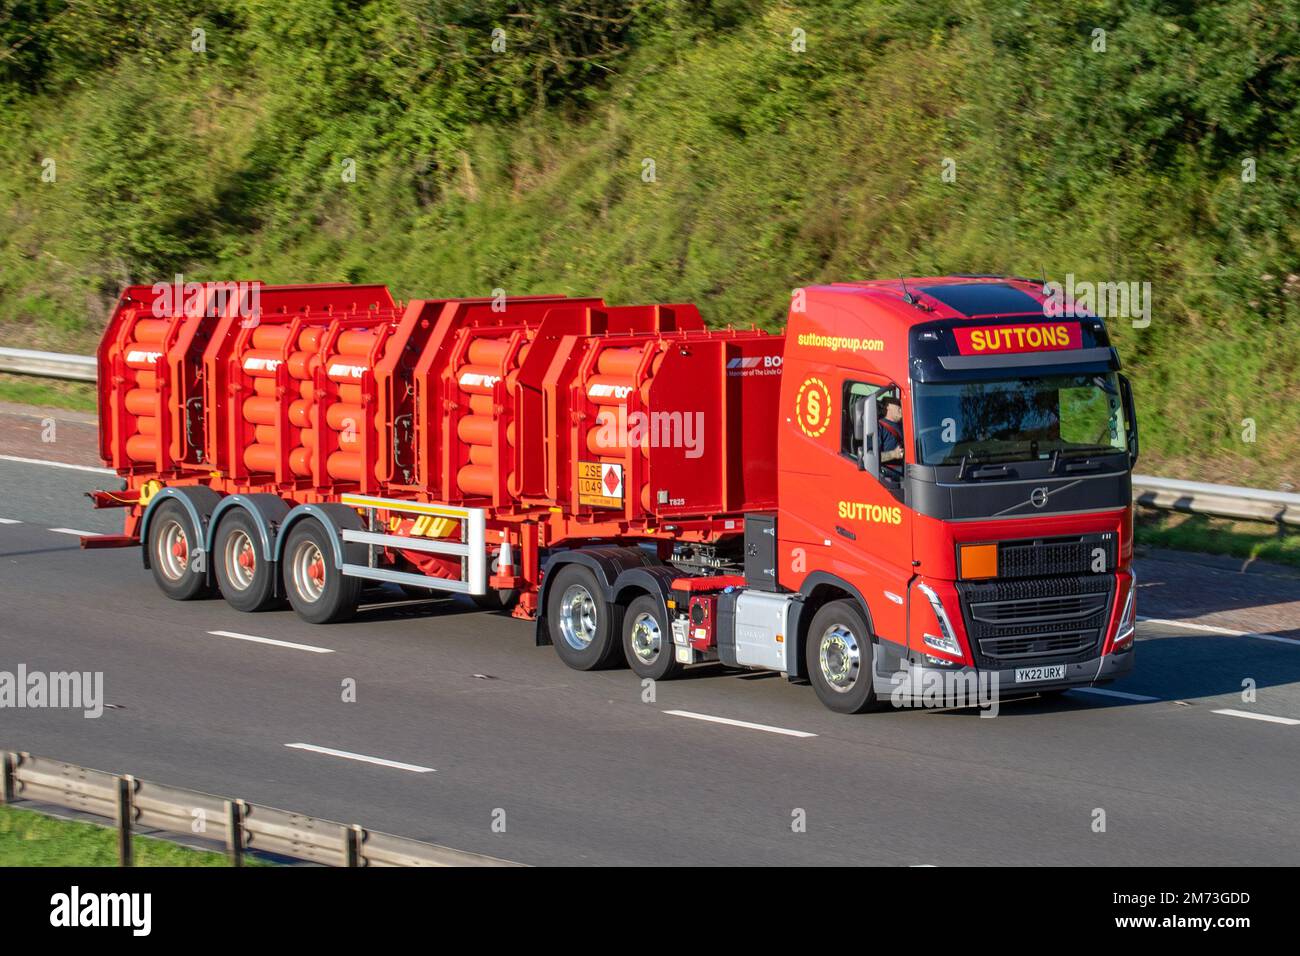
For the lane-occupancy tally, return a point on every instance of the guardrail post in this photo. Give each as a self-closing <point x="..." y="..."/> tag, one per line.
<point x="125" y="786"/>
<point x="356" y="837"/>
<point x="235" y="831"/>
<point x="7" y="788"/>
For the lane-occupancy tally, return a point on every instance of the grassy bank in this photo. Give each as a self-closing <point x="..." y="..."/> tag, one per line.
<point x="28" y="838"/>
<point x="51" y="393"/>
<point x="666" y="150"/>
<point x="1248" y="540"/>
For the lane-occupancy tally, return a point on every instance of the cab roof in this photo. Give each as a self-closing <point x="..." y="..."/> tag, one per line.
<point x="950" y="297"/>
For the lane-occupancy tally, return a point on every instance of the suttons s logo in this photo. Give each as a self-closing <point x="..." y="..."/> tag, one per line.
<point x="876" y="514"/>
<point x="812" y="407"/>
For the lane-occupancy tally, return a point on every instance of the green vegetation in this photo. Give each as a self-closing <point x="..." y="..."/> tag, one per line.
<point x="28" y="838"/>
<point x="525" y="169"/>
<point x="1250" y="540"/>
<point x="26" y="390"/>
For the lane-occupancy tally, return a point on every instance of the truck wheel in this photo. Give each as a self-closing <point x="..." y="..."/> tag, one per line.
<point x="173" y="540"/>
<point x="584" y="628"/>
<point x="246" y="579"/>
<point x="317" y="589"/>
<point x="839" y="656"/>
<point x="648" y="641"/>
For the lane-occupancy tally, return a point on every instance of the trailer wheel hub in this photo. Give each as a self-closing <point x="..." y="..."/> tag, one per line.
<point x="241" y="560"/>
<point x="173" y="551"/>
<point x="309" y="571"/>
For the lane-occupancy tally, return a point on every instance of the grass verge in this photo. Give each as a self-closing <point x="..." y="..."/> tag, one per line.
<point x="1238" y="539"/>
<point x="28" y="838"/>
<point x="52" y="393"/>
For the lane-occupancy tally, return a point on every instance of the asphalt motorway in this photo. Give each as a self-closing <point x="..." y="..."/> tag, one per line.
<point x="492" y="745"/>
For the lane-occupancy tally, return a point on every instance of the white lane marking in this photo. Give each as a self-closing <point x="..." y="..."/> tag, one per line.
<point x="1249" y="716"/>
<point x="1123" y="695"/>
<point x="1226" y="631"/>
<point x="739" y="723"/>
<point x="10" y="521"/>
<point x="378" y="761"/>
<point x="79" y="534"/>
<point x="274" y="643"/>
<point x="58" y="464"/>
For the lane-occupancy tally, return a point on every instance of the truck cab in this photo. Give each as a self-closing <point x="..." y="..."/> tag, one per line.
<point x="954" y="463"/>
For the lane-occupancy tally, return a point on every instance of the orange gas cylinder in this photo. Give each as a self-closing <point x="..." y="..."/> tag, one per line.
<point x="300" y="461"/>
<point x="270" y="337"/>
<point x="142" y="356"/>
<point x="608" y="389"/>
<point x="619" y="363"/>
<point x="142" y="447"/>
<point x="141" y="402"/>
<point x="475" y="429"/>
<point x="477" y="379"/>
<point x="475" y="479"/>
<point x="356" y="342"/>
<point x="260" y="457"/>
<point x="485" y="351"/>
<point x="343" y="415"/>
<point x="260" y="410"/>
<point x="344" y="465"/>
<point x="309" y="339"/>
<point x="260" y="363"/>
<point x="302" y="364"/>
<point x="150" y="330"/>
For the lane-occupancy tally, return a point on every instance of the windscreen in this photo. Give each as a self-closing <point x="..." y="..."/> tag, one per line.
<point x="1021" y="419"/>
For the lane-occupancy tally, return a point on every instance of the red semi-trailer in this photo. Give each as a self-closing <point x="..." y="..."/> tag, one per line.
<point x="920" y="477"/>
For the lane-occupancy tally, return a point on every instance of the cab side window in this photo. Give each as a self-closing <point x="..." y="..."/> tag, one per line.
<point x="888" y="439"/>
<point x="853" y="437"/>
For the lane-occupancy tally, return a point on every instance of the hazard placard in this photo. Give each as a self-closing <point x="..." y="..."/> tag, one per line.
<point x="600" y="485"/>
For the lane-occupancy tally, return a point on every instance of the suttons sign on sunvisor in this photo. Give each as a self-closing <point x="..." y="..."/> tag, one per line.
<point x="1001" y="339"/>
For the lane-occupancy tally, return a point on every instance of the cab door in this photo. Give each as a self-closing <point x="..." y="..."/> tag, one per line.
<point x="836" y="519"/>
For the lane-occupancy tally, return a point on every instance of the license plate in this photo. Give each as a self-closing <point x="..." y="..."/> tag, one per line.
<point x="1032" y="675"/>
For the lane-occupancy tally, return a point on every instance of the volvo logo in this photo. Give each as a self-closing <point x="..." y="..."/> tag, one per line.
<point x="1038" y="497"/>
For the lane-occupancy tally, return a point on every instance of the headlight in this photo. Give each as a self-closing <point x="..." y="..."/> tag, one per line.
<point x="945" y="640"/>
<point x="1127" y="620"/>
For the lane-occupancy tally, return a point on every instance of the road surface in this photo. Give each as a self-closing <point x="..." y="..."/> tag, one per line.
<point x="461" y="724"/>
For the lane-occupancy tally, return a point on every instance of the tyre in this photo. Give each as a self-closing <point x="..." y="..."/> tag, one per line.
<point x="173" y="540"/>
<point x="648" y="640"/>
<point x="246" y="578"/>
<point x="585" y="630"/>
<point x="839" y="656"/>
<point x="317" y="589"/>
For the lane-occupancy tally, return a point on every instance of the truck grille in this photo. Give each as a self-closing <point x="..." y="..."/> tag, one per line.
<point x="1041" y="556"/>
<point x="1061" y="618"/>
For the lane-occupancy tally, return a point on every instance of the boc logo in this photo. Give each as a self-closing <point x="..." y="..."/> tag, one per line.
<point x="812" y="407"/>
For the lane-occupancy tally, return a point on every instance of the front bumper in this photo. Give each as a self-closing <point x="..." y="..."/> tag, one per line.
<point x="923" y="681"/>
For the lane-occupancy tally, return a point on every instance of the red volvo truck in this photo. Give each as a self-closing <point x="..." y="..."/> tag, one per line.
<point x="929" y="476"/>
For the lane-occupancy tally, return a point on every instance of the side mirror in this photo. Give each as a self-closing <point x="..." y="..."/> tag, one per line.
<point x="870" y="461"/>
<point x="1126" y="393"/>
